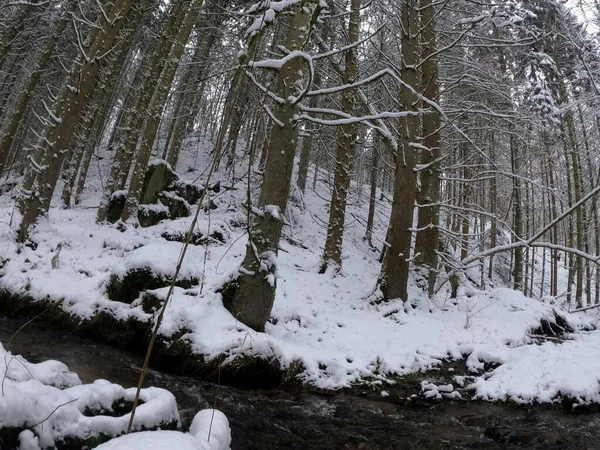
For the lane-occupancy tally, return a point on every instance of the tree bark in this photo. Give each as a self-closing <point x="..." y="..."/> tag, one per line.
<point x="332" y="255"/>
<point x="427" y="242"/>
<point x="251" y="295"/>
<point x="393" y="281"/>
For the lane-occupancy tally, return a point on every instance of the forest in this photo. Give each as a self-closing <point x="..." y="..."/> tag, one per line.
<point x="333" y="195"/>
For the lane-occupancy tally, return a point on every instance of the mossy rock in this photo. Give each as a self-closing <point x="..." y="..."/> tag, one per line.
<point x="553" y="328"/>
<point x="148" y="216"/>
<point x="178" y="206"/>
<point x="115" y="206"/>
<point x="151" y="303"/>
<point x="128" y="288"/>
<point x="187" y="191"/>
<point x="158" y="177"/>
<point x="211" y="205"/>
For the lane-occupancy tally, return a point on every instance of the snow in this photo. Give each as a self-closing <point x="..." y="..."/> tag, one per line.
<point x="51" y="402"/>
<point x="545" y="372"/>
<point x="326" y="322"/>
<point x="209" y="431"/>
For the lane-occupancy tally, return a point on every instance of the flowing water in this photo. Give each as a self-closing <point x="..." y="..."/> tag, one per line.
<point x="300" y="419"/>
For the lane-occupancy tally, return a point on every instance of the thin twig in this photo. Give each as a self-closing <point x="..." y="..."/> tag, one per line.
<point x="53" y="411"/>
<point x="170" y="293"/>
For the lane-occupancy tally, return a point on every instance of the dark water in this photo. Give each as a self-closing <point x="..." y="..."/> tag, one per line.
<point x="295" y="419"/>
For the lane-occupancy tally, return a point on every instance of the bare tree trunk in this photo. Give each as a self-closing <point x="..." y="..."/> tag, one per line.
<point x="396" y="262"/>
<point x="190" y="102"/>
<point x="150" y="69"/>
<point x="427" y="242"/>
<point x="10" y="33"/>
<point x="493" y="220"/>
<point x="345" y="153"/>
<point x="373" y="192"/>
<point x="307" y="143"/>
<point x="250" y="296"/>
<point x="517" y="216"/>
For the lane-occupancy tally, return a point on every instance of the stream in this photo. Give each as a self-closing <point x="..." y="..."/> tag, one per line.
<point x="302" y="419"/>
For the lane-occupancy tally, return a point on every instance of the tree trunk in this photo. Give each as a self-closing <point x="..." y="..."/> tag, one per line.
<point x="332" y="255"/>
<point x="150" y="70"/>
<point x="396" y="262"/>
<point x="251" y="295"/>
<point x="517" y="217"/>
<point x="427" y="242"/>
<point x="373" y="193"/>
<point x="307" y="142"/>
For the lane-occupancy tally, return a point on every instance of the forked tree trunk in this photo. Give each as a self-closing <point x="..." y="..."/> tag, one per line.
<point x="250" y="296"/>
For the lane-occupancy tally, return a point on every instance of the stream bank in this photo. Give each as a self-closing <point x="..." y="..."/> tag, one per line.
<point x="296" y="418"/>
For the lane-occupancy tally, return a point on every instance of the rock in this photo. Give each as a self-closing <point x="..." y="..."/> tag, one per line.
<point x="187" y="191"/>
<point x="150" y="215"/>
<point x="158" y="178"/>
<point x="178" y="207"/>
<point x="115" y="206"/>
<point x="210" y="205"/>
<point x="216" y="188"/>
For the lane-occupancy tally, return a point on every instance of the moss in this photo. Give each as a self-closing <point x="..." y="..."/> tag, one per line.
<point x="228" y="291"/>
<point x="151" y="303"/>
<point x="128" y="288"/>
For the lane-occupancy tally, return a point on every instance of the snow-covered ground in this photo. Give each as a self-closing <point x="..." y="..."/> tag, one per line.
<point x="49" y="404"/>
<point x="326" y="322"/>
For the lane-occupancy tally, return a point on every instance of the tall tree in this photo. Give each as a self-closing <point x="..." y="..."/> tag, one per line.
<point x="46" y="164"/>
<point x="250" y="296"/>
<point x="345" y="150"/>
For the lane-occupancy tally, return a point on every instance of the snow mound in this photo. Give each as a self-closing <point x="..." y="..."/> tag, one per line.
<point x="546" y="373"/>
<point x="53" y="405"/>
<point x="209" y="431"/>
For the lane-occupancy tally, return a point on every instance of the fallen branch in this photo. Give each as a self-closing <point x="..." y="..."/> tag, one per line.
<point x="585" y="308"/>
